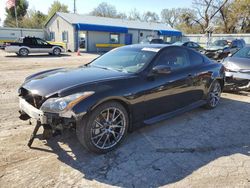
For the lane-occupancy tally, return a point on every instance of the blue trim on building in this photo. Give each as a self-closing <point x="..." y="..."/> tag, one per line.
<point x="104" y="28"/>
<point x="170" y="33"/>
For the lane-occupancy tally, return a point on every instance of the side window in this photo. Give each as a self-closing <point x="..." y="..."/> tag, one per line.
<point x="189" y="44"/>
<point x="41" y="42"/>
<point x="234" y="44"/>
<point x="196" y="45"/>
<point x="195" y="58"/>
<point x="52" y="36"/>
<point x="27" y="41"/>
<point x="65" y="36"/>
<point x="33" y="41"/>
<point x="114" y="38"/>
<point x="175" y="58"/>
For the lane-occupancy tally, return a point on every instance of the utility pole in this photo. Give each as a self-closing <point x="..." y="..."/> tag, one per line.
<point x="74" y="6"/>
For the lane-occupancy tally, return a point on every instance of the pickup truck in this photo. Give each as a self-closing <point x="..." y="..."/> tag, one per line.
<point x="26" y="45"/>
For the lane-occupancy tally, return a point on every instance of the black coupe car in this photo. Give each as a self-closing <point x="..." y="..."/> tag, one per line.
<point x="124" y="89"/>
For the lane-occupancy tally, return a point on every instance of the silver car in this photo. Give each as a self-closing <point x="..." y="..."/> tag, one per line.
<point x="238" y="70"/>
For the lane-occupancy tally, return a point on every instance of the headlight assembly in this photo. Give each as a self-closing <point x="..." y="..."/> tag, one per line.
<point x="220" y="51"/>
<point x="64" y="104"/>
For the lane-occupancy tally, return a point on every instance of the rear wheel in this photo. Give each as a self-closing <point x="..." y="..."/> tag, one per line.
<point x="57" y="51"/>
<point x="23" y="52"/>
<point x="214" y="95"/>
<point x="104" y="129"/>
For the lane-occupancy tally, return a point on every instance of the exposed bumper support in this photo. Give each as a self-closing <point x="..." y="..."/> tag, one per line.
<point x="237" y="81"/>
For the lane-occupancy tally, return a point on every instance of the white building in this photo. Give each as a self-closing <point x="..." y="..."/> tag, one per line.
<point x="89" y="32"/>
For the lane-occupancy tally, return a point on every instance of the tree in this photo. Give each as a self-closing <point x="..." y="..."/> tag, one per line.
<point x="135" y="15"/>
<point x="150" y="17"/>
<point x="57" y="7"/>
<point x="21" y="9"/>
<point x="206" y="11"/>
<point x="104" y="10"/>
<point x="229" y="22"/>
<point x="34" y="19"/>
<point x="171" y="16"/>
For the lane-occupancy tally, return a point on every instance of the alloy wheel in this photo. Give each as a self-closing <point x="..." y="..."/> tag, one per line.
<point x="108" y="128"/>
<point x="214" y="95"/>
<point x="23" y="52"/>
<point x="57" y="51"/>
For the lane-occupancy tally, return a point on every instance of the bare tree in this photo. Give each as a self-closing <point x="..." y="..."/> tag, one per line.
<point x="206" y="11"/>
<point x="171" y="16"/>
<point x="150" y="17"/>
<point x="135" y="15"/>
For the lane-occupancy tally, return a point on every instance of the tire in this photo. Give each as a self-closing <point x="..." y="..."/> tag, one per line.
<point x="23" y="52"/>
<point x="17" y="54"/>
<point x="97" y="134"/>
<point x="57" y="51"/>
<point x="214" y="94"/>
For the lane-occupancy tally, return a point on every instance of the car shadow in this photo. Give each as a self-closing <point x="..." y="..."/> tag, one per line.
<point x="38" y="55"/>
<point x="166" y="152"/>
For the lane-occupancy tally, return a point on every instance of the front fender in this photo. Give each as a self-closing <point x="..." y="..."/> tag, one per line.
<point x="217" y="74"/>
<point x="89" y="104"/>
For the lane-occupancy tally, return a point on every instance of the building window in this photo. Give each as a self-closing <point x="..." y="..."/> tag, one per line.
<point x="65" y="36"/>
<point x="58" y="24"/>
<point x="114" y="38"/>
<point x="52" y="36"/>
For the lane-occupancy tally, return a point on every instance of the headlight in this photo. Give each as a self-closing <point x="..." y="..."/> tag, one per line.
<point x="220" y="51"/>
<point x="232" y="67"/>
<point x="59" y="105"/>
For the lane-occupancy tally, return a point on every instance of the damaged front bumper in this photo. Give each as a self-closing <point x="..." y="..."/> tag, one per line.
<point x="52" y="123"/>
<point x="237" y="81"/>
<point x="28" y="111"/>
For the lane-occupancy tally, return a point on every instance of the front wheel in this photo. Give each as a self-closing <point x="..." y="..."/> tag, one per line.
<point x="214" y="95"/>
<point x="104" y="129"/>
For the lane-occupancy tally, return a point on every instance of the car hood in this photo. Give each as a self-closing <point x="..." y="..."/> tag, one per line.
<point x="242" y="63"/>
<point x="56" y="81"/>
<point x="214" y="48"/>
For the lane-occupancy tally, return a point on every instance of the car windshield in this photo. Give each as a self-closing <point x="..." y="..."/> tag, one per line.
<point x="178" y="43"/>
<point x="243" y="53"/>
<point x="220" y="43"/>
<point x="129" y="60"/>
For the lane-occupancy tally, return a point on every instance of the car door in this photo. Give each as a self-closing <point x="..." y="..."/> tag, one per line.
<point x="30" y="43"/>
<point x="168" y="92"/>
<point x="43" y="46"/>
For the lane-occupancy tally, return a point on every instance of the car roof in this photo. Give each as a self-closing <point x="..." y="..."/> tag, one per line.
<point x="141" y="46"/>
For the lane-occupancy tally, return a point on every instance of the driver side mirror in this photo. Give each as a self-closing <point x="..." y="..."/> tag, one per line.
<point x="161" y="69"/>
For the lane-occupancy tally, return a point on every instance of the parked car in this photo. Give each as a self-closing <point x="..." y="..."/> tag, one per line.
<point x="154" y="41"/>
<point x="120" y="91"/>
<point x="238" y="70"/>
<point x="221" y="48"/>
<point x="26" y="45"/>
<point x="190" y="44"/>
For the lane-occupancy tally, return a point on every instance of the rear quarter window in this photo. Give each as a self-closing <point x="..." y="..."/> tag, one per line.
<point x="195" y="58"/>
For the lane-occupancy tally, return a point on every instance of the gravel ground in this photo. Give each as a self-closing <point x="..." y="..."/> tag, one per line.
<point x="200" y="148"/>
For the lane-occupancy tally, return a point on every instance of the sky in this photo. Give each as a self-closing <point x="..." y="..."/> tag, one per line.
<point x="84" y="6"/>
